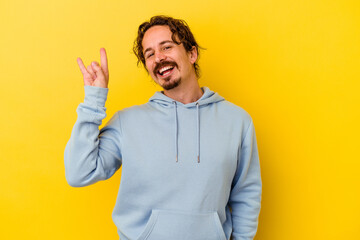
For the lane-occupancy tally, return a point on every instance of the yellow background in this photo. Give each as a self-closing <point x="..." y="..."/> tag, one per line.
<point x="293" y="65"/>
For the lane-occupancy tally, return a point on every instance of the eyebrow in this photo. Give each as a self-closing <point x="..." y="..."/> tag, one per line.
<point x="162" y="43"/>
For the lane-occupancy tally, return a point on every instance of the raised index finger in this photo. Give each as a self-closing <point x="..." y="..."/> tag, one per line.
<point x="103" y="61"/>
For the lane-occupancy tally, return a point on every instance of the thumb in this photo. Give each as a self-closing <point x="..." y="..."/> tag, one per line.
<point x="101" y="80"/>
<point x="97" y="69"/>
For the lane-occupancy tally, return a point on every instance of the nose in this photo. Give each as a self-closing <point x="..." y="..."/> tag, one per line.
<point x="159" y="57"/>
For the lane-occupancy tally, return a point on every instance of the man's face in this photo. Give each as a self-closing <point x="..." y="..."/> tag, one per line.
<point x="168" y="63"/>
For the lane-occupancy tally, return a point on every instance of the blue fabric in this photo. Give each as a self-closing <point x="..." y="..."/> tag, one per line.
<point x="199" y="182"/>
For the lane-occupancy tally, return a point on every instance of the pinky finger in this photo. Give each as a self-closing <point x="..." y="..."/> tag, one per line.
<point x="81" y="66"/>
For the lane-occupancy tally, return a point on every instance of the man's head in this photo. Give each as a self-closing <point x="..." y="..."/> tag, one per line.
<point x="167" y="43"/>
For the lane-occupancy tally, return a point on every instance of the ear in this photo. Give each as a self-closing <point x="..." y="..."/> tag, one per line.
<point x="193" y="55"/>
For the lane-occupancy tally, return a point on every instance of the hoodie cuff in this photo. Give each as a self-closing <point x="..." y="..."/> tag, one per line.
<point x="95" y="95"/>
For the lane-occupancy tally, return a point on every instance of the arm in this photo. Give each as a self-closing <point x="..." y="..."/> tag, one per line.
<point x="245" y="196"/>
<point x="92" y="155"/>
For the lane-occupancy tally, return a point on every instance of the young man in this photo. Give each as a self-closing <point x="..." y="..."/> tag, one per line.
<point x="189" y="157"/>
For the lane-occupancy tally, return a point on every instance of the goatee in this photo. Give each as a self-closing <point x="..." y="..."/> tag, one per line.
<point x="171" y="85"/>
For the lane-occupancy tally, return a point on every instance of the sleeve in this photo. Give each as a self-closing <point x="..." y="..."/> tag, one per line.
<point x="92" y="155"/>
<point x="245" y="196"/>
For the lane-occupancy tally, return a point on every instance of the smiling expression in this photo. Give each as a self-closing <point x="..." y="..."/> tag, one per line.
<point x="168" y="63"/>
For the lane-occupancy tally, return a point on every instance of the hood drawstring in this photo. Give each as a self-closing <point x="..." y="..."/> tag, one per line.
<point x="160" y="101"/>
<point x="176" y="130"/>
<point x="198" y="132"/>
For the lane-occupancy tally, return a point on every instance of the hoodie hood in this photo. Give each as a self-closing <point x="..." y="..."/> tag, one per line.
<point x="208" y="97"/>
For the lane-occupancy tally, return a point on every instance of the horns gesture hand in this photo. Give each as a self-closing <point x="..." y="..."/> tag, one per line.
<point x="96" y="74"/>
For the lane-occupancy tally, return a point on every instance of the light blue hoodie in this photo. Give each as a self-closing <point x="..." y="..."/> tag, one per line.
<point x="190" y="171"/>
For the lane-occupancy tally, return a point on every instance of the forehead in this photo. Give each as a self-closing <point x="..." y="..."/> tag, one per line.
<point x="155" y="35"/>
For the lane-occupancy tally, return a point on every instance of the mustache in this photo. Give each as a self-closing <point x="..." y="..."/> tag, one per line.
<point x="162" y="64"/>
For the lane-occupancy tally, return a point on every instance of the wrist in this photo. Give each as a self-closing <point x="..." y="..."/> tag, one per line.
<point x="96" y="95"/>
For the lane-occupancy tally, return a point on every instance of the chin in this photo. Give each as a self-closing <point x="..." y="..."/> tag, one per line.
<point x="171" y="85"/>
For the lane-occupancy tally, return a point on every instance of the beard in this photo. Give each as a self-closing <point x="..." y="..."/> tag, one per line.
<point x="168" y="85"/>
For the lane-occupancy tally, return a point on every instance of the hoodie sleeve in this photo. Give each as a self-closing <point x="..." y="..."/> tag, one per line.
<point x="245" y="196"/>
<point x="92" y="155"/>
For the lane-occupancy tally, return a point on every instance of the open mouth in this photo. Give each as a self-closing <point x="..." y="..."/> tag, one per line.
<point x="165" y="71"/>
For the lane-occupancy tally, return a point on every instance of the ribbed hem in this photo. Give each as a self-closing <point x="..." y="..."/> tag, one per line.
<point x="96" y="95"/>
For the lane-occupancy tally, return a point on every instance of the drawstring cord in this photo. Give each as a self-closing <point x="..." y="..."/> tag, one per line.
<point x="197" y="130"/>
<point x="176" y="131"/>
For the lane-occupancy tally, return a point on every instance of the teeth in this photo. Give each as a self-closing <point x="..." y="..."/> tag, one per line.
<point x="164" y="69"/>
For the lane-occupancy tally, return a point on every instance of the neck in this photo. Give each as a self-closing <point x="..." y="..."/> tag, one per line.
<point x="185" y="93"/>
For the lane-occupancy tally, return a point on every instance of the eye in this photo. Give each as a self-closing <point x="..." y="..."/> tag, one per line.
<point x="149" y="55"/>
<point x="167" y="47"/>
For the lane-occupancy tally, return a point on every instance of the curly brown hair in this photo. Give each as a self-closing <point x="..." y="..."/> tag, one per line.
<point x="180" y="30"/>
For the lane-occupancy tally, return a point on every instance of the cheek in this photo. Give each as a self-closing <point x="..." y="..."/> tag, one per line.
<point x="148" y="66"/>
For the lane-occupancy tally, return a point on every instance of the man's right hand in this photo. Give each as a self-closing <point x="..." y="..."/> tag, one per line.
<point x="96" y="75"/>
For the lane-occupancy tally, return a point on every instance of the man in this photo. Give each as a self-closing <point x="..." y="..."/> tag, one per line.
<point x="189" y="157"/>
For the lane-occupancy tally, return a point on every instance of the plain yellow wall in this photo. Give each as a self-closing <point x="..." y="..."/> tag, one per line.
<point x="293" y="65"/>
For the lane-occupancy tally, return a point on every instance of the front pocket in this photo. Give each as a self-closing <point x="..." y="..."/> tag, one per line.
<point x="175" y="225"/>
